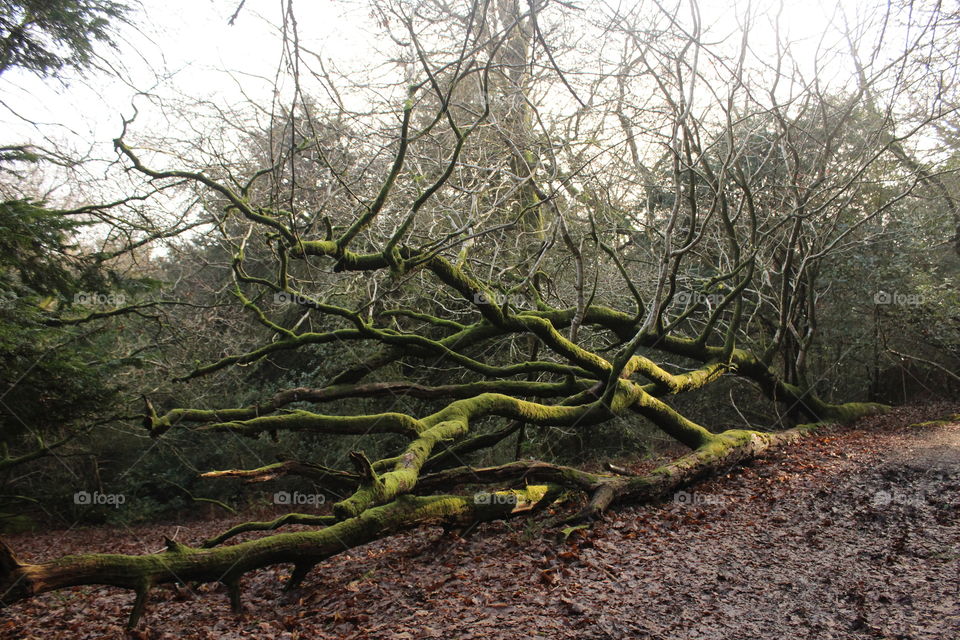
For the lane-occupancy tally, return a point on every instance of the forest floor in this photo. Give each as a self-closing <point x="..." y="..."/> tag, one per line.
<point x="852" y="533"/>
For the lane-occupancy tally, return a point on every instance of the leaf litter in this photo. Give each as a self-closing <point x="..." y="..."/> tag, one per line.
<point x="851" y="533"/>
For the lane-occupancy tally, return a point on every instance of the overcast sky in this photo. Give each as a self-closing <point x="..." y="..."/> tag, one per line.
<point x="187" y="48"/>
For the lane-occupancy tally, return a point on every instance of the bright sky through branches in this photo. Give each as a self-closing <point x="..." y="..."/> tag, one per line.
<point x="186" y="50"/>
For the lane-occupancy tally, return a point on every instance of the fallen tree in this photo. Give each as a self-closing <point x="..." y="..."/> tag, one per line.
<point x="182" y="564"/>
<point x="509" y="277"/>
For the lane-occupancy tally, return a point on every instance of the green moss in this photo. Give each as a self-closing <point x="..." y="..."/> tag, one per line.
<point x="850" y="411"/>
<point x="307" y="421"/>
<point x="951" y="419"/>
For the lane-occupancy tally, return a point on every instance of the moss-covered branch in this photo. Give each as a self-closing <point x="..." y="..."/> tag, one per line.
<point x="181" y="563"/>
<point x="722" y="451"/>
<point x="270" y="525"/>
<point x="158" y="424"/>
<point x="331" y="478"/>
<point x="319" y="423"/>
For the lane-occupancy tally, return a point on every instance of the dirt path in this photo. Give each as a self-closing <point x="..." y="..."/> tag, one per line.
<point x="849" y="534"/>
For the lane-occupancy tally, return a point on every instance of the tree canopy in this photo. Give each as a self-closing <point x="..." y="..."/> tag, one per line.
<point x="47" y="37"/>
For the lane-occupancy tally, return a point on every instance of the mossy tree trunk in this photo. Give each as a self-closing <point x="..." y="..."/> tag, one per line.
<point x="542" y="484"/>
